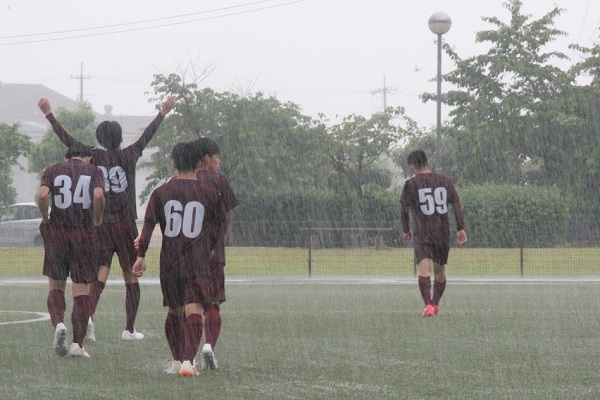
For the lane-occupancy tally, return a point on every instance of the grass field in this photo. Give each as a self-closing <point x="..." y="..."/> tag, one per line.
<point x="287" y="338"/>
<point x="263" y="261"/>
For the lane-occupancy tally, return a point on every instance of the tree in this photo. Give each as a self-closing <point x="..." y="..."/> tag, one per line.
<point x="14" y="145"/>
<point x="265" y="145"/>
<point x="502" y="98"/>
<point x="50" y="150"/>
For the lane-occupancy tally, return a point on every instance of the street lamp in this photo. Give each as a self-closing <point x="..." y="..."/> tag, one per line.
<point x="439" y="23"/>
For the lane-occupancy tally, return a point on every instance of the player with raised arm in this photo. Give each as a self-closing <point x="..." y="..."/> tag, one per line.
<point x="74" y="190"/>
<point x="208" y="174"/>
<point x="428" y="195"/>
<point x="189" y="214"/>
<point x="119" y="228"/>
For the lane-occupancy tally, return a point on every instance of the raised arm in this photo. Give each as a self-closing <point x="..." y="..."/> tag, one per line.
<point x="61" y="132"/>
<point x="151" y="129"/>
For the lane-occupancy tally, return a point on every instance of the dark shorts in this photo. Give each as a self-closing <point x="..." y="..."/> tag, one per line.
<point x="118" y="238"/>
<point x="178" y="292"/>
<point x="217" y="282"/>
<point x="437" y="252"/>
<point x="69" y="251"/>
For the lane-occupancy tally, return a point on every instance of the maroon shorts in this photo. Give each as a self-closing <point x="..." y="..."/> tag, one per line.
<point x="437" y="252"/>
<point x="217" y="282"/>
<point x="70" y="251"/>
<point x="118" y="238"/>
<point x="178" y="292"/>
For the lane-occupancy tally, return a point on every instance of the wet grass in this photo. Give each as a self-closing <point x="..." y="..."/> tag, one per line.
<point x="265" y="261"/>
<point x="326" y="341"/>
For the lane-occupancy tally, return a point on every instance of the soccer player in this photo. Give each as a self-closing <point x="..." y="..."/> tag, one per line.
<point x="208" y="174"/>
<point x="75" y="188"/>
<point x="427" y="196"/>
<point x="119" y="228"/>
<point x="189" y="214"/>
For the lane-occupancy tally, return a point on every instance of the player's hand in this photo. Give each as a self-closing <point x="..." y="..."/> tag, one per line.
<point x="168" y="105"/>
<point x="136" y="243"/>
<point x="461" y="237"/>
<point x="44" y="106"/>
<point x="139" y="267"/>
<point x="407" y="237"/>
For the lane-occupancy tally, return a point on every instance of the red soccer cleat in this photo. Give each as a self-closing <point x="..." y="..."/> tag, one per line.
<point x="436" y="309"/>
<point x="428" y="312"/>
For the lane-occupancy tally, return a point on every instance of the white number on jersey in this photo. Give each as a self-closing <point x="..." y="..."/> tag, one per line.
<point x="115" y="179"/>
<point x="186" y="220"/>
<point x="81" y="195"/>
<point x="432" y="201"/>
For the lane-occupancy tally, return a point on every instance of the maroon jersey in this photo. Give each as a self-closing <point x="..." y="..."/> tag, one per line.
<point x="428" y="197"/>
<point x="190" y="219"/>
<point x="118" y="167"/>
<point x="72" y="185"/>
<point x="219" y="183"/>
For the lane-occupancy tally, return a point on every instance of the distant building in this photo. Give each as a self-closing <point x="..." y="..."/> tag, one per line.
<point x="18" y="105"/>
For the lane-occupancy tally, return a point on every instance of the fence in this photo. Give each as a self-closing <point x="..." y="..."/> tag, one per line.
<point x="304" y="248"/>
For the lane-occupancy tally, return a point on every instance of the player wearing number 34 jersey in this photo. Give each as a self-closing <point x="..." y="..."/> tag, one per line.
<point x="428" y="196"/>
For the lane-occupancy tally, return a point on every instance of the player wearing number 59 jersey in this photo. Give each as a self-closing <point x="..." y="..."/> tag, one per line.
<point x="119" y="228"/>
<point x="190" y="216"/>
<point x="428" y="196"/>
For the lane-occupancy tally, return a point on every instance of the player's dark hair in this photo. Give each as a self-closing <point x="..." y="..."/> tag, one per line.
<point x="206" y="146"/>
<point x="185" y="157"/>
<point x="417" y="158"/>
<point x="78" y="150"/>
<point x="109" y="134"/>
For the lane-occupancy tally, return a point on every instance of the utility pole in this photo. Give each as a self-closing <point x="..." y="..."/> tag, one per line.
<point x="81" y="78"/>
<point x="385" y="90"/>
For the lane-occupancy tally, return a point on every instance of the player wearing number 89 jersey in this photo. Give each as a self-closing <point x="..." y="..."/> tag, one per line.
<point x="190" y="217"/>
<point x="428" y="197"/>
<point x="119" y="228"/>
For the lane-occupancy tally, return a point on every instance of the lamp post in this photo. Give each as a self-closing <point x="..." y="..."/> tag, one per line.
<point x="439" y="23"/>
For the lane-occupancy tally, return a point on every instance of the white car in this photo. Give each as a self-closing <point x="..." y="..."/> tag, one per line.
<point x="20" y="225"/>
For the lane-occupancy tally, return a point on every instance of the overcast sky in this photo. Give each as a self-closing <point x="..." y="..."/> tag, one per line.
<point x="327" y="56"/>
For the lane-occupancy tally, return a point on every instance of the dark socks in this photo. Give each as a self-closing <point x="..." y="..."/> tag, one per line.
<point x="425" y="288"/>
<point x="56" y="306"/>
<point x="79" y="318"/>
<point x="438" y="290"/>
<point x="212" y="324"/>
<point x="132" y="303"/>
<point x="175" y="333"/>
<point x="96" y="290"/>
<point x="193" y="335"/>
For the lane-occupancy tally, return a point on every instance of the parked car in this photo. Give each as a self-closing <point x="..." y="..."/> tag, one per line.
<point x="19" y="225"/>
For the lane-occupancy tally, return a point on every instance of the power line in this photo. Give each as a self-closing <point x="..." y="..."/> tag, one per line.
<point x="146" y="21"/>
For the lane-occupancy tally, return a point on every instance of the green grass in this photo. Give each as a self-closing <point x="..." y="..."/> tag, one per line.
<point x="326" y="340"/>
<point x="263" y="261"/>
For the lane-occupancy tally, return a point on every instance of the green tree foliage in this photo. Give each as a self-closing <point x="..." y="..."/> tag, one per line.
<point x="13" y="144"/>
<point x="265" y="144"/>
<point x="81" y="124"/>
<point x="501" y="97"/>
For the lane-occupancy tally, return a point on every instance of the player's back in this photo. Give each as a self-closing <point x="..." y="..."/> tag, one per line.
<point x="118" y="167"/>
<point x="189" y="215"/>
<point x="429" y="196"/>
<point x="72" y="186"/>
<point x="220" y="183"/>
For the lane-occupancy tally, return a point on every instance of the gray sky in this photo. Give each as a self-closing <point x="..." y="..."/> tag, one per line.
<point x="327" y="56"/>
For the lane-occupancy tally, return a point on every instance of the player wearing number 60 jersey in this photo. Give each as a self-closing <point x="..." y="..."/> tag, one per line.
<point x="428" y="196"/>
<point x="190" y="216"/>
<point x="119" y="228"/>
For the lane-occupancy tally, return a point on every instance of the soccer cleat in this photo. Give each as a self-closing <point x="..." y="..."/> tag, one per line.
<point x="208" y="357"/>
<point x="436" y="309"/>
<point x="76" y="351"/>
<point x="60" y="340"/>
<point x="89" y="334"/>
<point x="187" y="369"/>
<point x="128" y="336"/>
<point x="428" y="312"/>
<point x="175" y="368"/>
